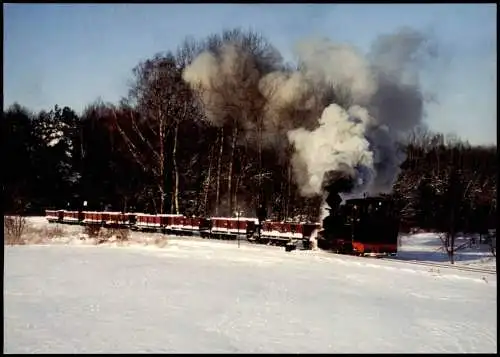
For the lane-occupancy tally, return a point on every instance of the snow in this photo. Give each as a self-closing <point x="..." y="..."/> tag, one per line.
<point x="55" y="137"/>
<point x="421" y="247"/>
<point x="428" y="247"/>
<point x="54" y="142"/>
<point x="208" y="296"/>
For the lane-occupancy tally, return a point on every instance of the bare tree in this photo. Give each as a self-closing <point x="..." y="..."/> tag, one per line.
<point x="454" y="210"/>
<point x="15" y="225"/>
<point x="219" y="166"/>
<point x="230" y="94"/>
<point x="163" y="101"/>
<point x="13" y="229"/>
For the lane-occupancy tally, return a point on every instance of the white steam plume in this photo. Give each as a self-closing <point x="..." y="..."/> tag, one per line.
<point x="361" y="139"/>
<point x="341" y="111"/>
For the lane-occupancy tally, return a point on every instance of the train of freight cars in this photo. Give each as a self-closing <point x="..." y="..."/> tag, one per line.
<point x="278" y="233"/>
<point x="358" y="227"/>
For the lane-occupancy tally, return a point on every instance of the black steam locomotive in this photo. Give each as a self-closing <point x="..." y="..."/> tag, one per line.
<point x="360" y="226"/>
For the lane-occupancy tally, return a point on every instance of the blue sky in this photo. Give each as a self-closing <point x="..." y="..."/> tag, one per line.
<point x="71" y="54"/>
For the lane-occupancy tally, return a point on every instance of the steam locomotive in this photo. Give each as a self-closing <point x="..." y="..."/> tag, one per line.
<point x="361" y="226"/>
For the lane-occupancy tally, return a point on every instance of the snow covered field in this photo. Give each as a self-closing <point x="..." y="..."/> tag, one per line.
<point x="207" y="296"/>
<point x="422" y="247"/>
<point x="427" y="247"/>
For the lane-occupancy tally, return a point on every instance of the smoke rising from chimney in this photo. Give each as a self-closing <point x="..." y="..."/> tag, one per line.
<point x="342" y="112"/>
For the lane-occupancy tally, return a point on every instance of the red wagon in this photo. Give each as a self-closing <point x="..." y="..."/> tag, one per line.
<point x="282" y="232"/>
<point x="54" y="215"/>
<point x="116" y="219"/>
<point x="231" y="228"/>
<point x="72" y="217"/>
<point x="146" y="221"/>
<point x="92" y="218"/>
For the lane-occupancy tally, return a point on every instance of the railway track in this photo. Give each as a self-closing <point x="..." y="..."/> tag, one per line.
<point x="429" y="264"/>
<point x="395" y="259"/>
<point x="445" y="266"/>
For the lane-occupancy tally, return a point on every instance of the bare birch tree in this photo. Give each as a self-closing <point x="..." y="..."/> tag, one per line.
<point x="226" y="76"/>
<point x="163" y="101"/>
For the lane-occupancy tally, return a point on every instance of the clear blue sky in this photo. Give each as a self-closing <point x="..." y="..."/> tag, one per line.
<point x="72" y="54"/>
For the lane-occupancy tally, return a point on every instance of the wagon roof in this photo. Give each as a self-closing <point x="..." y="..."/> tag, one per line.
<point x="235" y="218"/>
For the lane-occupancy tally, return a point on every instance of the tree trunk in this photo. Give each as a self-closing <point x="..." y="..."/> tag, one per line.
<point x="452" y="248"/>
<point x="230" y="170"/>
<point x="162" y="164"/>
<point x="207" y="182"/>
<point x="175" y="193"/>
<point x="259" y="190"/>
<point x="289" y="193"/>
<point x="236" y="185"/>
<point x="162" y="199"/>
<point x="219" y="164"/>
<point x="153" y="200"/>
<point x="283" y="200"/>
<point x="82" y="181"/>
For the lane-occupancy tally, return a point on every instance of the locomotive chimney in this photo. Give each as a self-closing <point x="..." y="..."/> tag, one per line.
<point x="334" y="183"/>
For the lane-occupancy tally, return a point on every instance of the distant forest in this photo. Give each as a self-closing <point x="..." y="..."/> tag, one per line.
<point x="154" y="152"/>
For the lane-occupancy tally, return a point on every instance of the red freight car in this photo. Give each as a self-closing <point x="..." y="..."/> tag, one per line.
<point x="282" y="232"/>
<point x="116" y="219"/>
<point x="191" y="225"/>
<point x="146" y="221"/>
<point x="231" y="228"/>
<point x="92" y="218"/>
<point x="169" y="221"/>
<point x="72" y="217"/>
<point x="54" y="215"/>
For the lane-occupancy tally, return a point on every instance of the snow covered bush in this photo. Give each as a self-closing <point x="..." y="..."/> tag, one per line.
<point x="13" y="229"/>
<point x="92" y="231"/>
<point x="106" y="235"/>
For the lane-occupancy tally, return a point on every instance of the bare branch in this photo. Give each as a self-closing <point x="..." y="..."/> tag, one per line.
<point x="144" y="140"/>
<point x="132" y="148"/>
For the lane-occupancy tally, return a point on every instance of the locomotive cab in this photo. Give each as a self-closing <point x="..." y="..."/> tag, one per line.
<point x="375" y="226"/>
<point x="367" y="225"/>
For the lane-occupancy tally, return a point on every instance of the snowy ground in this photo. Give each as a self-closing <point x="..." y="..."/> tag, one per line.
<point x="207" y="296"/>
<point x="421" y="247"/>
<point x="428" y="247"/>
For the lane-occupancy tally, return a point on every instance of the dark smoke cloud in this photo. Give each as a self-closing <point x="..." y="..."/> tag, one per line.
<point x="338" y="181"/>
<point x="361" y="134"/>
<point x="342" y="112"/>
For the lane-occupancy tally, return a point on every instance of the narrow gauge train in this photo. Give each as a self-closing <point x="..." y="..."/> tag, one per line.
<point x="361" y="226"/>
<point x="268" y="232"/>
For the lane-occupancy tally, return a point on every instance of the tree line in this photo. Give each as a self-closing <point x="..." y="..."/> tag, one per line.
<point x="155" y="151"/>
